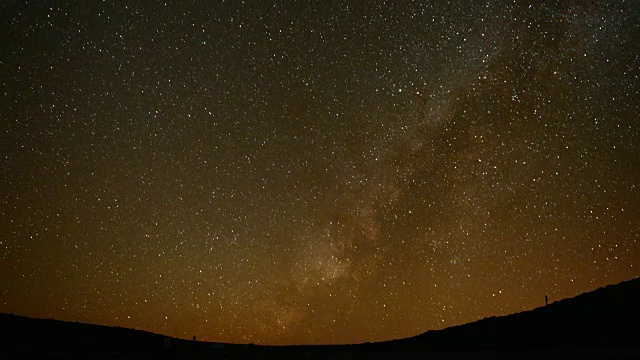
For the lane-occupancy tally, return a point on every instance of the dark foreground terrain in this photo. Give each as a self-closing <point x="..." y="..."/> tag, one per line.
<point x="602" y="324"/>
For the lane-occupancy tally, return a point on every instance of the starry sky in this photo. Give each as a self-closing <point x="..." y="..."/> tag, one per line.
<point x="315" y="172"/>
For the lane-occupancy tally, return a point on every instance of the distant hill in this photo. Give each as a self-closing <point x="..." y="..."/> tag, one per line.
<point x="27" y="336"/>
<point x="600" y="324"/>
<point x="604" y="321"/>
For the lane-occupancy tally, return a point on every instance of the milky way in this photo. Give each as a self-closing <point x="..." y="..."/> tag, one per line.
<point x="312" y="173"/>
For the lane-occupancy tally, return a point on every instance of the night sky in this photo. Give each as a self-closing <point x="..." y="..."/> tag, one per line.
<point x="315" y="173"/>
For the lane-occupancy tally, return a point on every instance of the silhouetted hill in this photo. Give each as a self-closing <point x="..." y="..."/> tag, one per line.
<point x="60" y="339"/>
<point x="599" y="324"/>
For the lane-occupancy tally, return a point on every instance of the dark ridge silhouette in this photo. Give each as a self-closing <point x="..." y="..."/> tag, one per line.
<point x="602" y="324"/>
<point x="604" y="321"/>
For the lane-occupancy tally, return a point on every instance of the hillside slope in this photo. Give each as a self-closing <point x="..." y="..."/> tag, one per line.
<point x="599" y="324"/>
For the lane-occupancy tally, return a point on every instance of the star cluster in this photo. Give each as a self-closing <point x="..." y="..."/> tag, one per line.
<point x="311" y="172"/>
